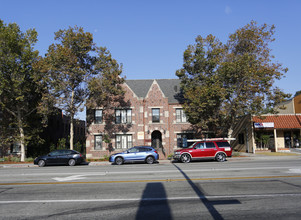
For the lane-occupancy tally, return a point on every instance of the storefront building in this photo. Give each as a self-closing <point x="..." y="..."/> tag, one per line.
<point x="274" y="133"/>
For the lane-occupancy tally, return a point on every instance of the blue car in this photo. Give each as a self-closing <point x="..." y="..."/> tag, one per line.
<point x="140" y="153"/>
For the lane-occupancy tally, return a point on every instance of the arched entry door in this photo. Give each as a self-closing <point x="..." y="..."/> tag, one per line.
<point x="157" y="139"/>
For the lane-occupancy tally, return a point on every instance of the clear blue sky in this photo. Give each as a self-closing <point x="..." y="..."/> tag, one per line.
<point x="149" y="36"/>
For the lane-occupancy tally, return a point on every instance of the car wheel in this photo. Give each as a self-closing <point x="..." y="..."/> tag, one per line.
<point x="220" y="157"/>
<point x="41" y="163"/>
<point x="71" y="162"/>
<point x="149" y="160"/>
<point x="119" y="161"/>
<point x="185" y="158"/>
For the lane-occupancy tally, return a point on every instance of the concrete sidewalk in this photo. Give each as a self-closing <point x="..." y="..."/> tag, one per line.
<point x="296" y="154"/>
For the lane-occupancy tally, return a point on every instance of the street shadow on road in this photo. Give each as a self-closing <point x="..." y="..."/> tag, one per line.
<point x="208" y="204"/>
<point x="154" y="204"/>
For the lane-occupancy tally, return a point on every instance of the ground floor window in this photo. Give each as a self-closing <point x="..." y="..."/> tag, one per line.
<point x="97" y="142"/>
<point x="296" y="138"/>
<point x="241" y="138"/>
<point x="291" y="138"/>
<point x="182" y="140"/>
<point x="265" y="140"/>
<point x="123" y="141"/>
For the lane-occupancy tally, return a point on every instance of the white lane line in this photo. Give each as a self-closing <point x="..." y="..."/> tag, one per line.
<point x="294" y="171"/>
<point x="203" y="170"/>
<point x="150" y="199"/>
<point x="102" y="173"/>
<point x="69" y="178"/>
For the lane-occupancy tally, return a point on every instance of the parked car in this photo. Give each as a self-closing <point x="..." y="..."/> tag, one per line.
<point x="140" y="153"/>
<point x="218" y="150"/>
<point x="59" y="157"/>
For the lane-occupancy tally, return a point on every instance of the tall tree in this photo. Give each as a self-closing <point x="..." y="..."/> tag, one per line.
<point x="202" y="88"/>
<point x="20" y="92"/>
<point x="242" y="81"/>
<point x="68" y="65"/>
<point x="105" y="90"/>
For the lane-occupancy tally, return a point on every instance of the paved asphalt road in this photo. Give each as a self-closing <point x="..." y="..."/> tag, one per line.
<point x="236" y="189"/>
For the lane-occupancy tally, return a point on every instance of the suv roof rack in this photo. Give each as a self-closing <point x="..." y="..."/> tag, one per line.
<point x="212" y="139"/>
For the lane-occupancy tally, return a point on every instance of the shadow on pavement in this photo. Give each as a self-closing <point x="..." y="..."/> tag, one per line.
<point x="154" y="204"/>
<point x="208" y="204"/>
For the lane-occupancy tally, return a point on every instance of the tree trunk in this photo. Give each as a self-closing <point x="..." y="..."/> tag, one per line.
<point x="22" y="143"/>
<point x="22" y="136"/>
<point x="71" y="132"/>
<point x="71" y="121"/>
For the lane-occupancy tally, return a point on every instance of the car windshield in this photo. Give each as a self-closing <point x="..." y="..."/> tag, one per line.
<point x="191" y="146"/>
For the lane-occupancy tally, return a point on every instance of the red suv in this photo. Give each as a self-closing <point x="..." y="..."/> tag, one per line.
<point x="215" y="149"/>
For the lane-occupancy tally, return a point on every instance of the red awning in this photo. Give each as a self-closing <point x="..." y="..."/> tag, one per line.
<point x="280" y="121"/>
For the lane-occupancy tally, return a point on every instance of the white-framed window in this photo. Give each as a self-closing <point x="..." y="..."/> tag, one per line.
<point x="123" y="116"/>
<point x="124" y="141"/>
<point x="180" y="115"/>
<point x="98" y="116"/>
<point x="155" y="115"/>
<point x="97" y="142"/>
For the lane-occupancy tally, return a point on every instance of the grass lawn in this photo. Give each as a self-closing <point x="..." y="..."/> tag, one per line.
<point x="277" y="154"/>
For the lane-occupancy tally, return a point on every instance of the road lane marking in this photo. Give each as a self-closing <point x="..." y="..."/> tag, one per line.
<point x="155" y="180"/>
<point x="154" y="199"/>
<point x="106" y="172"/>
<point x="294" y="171"/>
<point x="103" y="173"/>
<point x="69" y="178"/>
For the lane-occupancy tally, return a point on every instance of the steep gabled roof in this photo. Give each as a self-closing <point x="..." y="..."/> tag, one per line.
<point x="169" y="87"/>
<point x="140" y="87"/>
<point x="281" y="121"/>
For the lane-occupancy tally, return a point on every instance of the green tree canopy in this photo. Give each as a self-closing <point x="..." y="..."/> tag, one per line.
<point x="67" y="66"/>
<point x="76" y="69"/>
<point x="105" y="92"/>
<point x="20" y="92"/>
<point x="222" y="82"/>
<point x="105" y="88"/>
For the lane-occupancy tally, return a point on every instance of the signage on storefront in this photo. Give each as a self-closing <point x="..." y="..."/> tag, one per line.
<point x="264" y="125"/>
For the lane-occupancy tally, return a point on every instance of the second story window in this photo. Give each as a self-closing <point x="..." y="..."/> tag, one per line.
<point x="156" y="115"/>
<point x="180" y="115"/>
<point x="98" y="116"/>
<point x="123" y="116"/>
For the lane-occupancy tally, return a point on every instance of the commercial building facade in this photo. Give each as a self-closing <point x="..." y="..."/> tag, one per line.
<point x="276" y="132"/>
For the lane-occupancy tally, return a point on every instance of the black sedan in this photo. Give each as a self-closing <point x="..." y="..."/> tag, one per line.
<point x="59" y="157"/>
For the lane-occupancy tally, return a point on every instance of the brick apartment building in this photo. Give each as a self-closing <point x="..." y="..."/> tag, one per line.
<point x="153" y="117"/>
